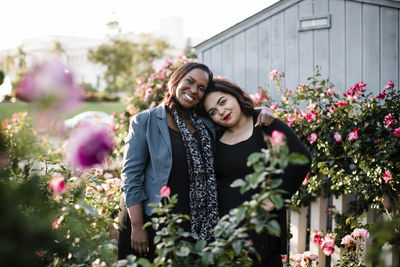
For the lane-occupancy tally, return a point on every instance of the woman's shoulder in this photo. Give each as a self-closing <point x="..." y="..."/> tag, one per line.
<point x="145" y="115"/>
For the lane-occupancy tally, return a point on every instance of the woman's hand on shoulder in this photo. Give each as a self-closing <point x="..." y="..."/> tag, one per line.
<point x="265" y="117"/>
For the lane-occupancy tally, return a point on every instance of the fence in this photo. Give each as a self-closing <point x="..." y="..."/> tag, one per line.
<point x="315" y="217"/>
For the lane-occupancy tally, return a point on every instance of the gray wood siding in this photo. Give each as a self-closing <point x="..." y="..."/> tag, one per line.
<point x="362" y="44"/>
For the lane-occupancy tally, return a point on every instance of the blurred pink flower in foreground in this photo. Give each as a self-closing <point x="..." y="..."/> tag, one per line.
<point x="165" y="191"/>
<point x="89" y="145"/>
<point x="58" y="185"/>
<point x="50" y="85"/>
<point x="277" y="138"/>
<point x="317" y="238"/>
<point x="360" y="233"/>
<point x="348" y="241"/>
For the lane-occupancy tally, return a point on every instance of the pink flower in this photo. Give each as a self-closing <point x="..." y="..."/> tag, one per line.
<point x="131" y="109"/>
<point x="389" y="120"/>
<point x="55" y="225"/>
<point x="311" y="116"/>
<point x="250" y="242"/>
<point x="396" y="132"/>
<point x="313" y="138"/>
<point x="341" y="104"/>
<point x="289" y="91"/>
<point x="360" y="233"/>
<point x="348" y="241"/>
<point x="283" y="257"/>
<point x="57" y="184"/>
<point x="389" y="85"/>
<point x="289" y="120"/>
<point x="273" y="74"/>
<point x="381" y="95"/>
<point x="328" y="245"/>
<point x="89" y="145"/>
<point x="51" y="85"/>
<point x="277" y="138"/>
<point x="259" y="97"/>
<point x="302" y="87"/>
<point x="297" y="258"/>
<point x="332" y="109"/>
<point x="387" y="176"/>
<point x="165" y="191"/>
<point x="337" y="137"/>
<point x="307" y="255"/>
<point x="274" y="106"/>
<point x="353" y="135"/>
<point x="317" y="238"/>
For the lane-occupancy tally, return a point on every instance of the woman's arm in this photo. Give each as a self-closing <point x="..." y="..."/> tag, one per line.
<point x="134" y="163"/>
<point x="293" y="174"/>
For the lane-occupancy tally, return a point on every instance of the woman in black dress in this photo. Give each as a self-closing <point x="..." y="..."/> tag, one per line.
<point x="230" y="107"/>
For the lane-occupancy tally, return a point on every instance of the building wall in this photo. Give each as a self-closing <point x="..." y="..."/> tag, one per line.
<point x="362" y="44"/>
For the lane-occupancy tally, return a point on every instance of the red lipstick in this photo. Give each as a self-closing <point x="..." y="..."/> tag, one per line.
<point x="227" y="116"/>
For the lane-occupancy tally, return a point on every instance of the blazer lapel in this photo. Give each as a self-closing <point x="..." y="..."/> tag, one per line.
<point x="163" y="126"/>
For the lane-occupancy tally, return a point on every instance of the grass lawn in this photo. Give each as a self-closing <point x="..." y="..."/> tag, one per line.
<point x="7" y="109"/>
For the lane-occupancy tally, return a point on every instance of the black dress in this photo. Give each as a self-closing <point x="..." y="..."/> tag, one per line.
<point x="230" y="164"/>
<point x="178" y="181"/>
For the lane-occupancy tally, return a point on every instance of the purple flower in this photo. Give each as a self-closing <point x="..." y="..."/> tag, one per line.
<point x="89" y="145"/>
<point x="50" y="86"/>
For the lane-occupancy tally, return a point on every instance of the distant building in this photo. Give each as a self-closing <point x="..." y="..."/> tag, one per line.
<point x="351" y="41"/>
<point x="73" y="49"/>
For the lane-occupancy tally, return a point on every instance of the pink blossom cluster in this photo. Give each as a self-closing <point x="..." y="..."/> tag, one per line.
<point x="355" y="91"/>
<point x="304" y="259"/>
<point x="389" y="120"/>
<point x="313" y="138"/>
<point x="259" y="97"/>
<point x="326" y="243"/>
<point x="58" y="185"/>
<point x="302" y="87"/>
<point x="388" y="86"/>
<point x="352" y="239"/>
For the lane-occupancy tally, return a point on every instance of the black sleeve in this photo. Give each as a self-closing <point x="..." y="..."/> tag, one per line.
<point x="293" y="175"/>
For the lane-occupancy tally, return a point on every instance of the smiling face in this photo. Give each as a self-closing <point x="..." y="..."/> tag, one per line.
<point x="223" y="109"/>
<point x="191" y="88"/>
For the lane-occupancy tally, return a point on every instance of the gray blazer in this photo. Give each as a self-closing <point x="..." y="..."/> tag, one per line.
<point x="147" y="157"/>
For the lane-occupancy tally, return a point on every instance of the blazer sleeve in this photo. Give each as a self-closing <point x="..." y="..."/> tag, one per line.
<point x="135" y="160"/>
<point x="293" y="174"/>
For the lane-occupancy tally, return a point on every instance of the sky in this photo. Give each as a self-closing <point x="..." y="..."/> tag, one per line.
<point x="24" y="19"/>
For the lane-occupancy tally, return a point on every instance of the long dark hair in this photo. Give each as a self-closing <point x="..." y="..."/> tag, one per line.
<point x="224" y="85"/>
<point x="169" y="98"/>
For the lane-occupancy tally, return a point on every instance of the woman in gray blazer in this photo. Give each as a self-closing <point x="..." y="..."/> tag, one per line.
<point x="170" y="145"/>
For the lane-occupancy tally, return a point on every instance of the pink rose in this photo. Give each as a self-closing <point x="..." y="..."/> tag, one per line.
<point x="273" y="74"/>
<point x="289" y="120"/>
<point x="311" y="116"/>
<point x="57" y="184"/>
<point x="360" y="233"/>
<point x="277" y="138"/>
<point x="274" y="106"/>
<point x="328" y="245"/>
<point x="387" y="176"/>
<point x="313" y="138"/>
<point x="165" y="191"/>
<point x="389" y="120"/>
<point x="337" y="137"/>
<point x="381" y="95"/>
<point x="348" y="241"/>
<point x="317" y="238"/>
<point x="341" y="104"/>
<point x="389" y="85"/>
<point x="396" y="132"/>
<point x="353" y="135"/>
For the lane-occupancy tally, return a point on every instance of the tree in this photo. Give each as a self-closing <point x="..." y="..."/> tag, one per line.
<point x="125" y="60"/>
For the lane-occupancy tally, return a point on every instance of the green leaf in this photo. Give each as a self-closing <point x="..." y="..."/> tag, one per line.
<point x="238" y="183"/>
<point x="207" y="258"/>
<point x="277" y="200"/>
<point x="183" y="252"/>
<point x="275" y="183"/>
<point x="253" y="158"/>
<point x="237" y="246"/>
<point x="143" y="262"/>
<point x="297" y="158"/>
<point x="273" y="228"/>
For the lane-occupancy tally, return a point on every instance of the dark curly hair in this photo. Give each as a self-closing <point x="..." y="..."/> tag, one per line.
<point x="224" y="85"/>
<point x="169" y="97"/>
